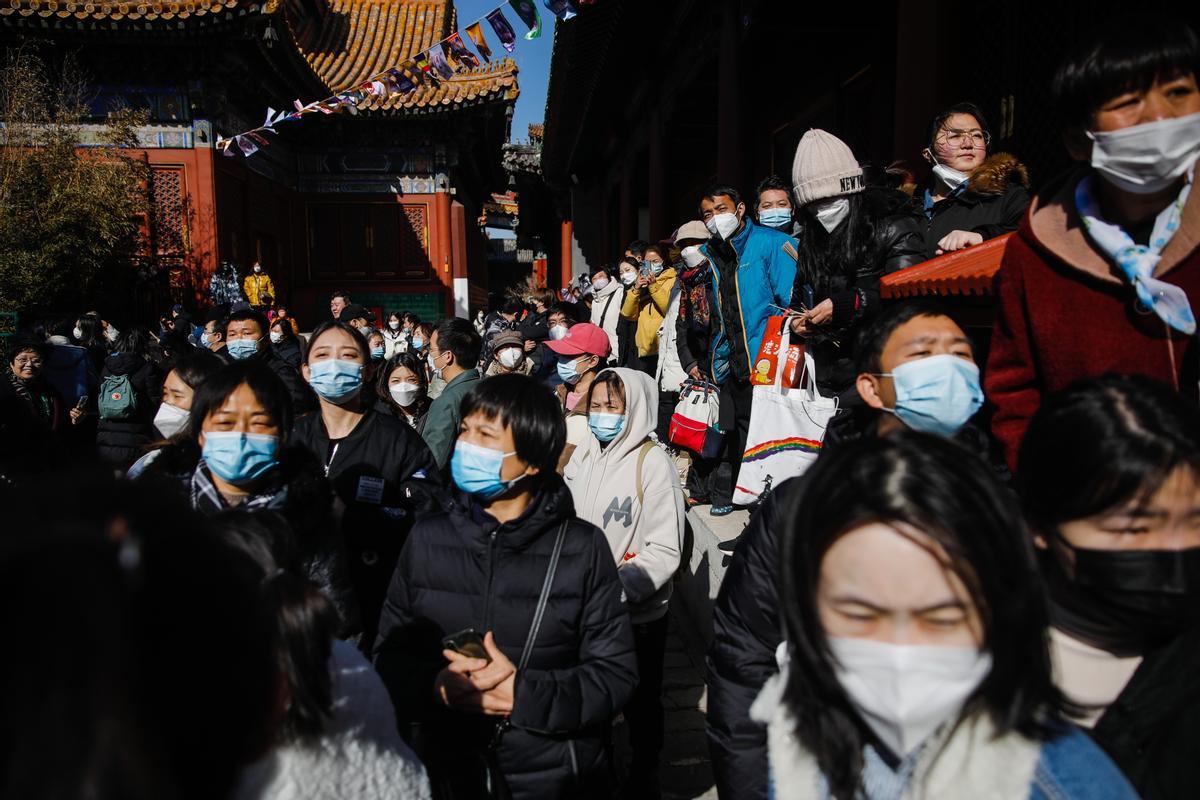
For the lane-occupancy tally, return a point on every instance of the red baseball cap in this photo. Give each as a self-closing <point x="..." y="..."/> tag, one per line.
<point x="582" y="338"/>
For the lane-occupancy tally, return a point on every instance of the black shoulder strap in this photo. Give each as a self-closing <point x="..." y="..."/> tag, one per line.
<point x="544" y="596"/>
<point x="604" y="313"/>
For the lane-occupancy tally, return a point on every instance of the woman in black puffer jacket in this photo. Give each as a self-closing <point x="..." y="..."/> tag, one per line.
<point x="481" y="563"/>
<point x="124" y="438"/>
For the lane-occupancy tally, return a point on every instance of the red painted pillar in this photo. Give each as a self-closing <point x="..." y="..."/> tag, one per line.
<point x="568" y="247"/>
<point x="441" y="263"/>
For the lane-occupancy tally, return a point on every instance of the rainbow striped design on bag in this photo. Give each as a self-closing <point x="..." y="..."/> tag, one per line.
<point x="761" y="451"/>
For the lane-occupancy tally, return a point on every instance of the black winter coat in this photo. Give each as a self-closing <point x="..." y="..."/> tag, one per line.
<point x="1153" y="728"/>
<point x="120" y="442"/>
<point x="289" y="352"/>
<point x="303" y="399"/>
<point x="305" y="499"/>
<point x="893" y="241"/>
<point x="370" y="472"/>
<point x="993" y="203"/>
<point x="459" y="569"/>
<point x="535" y="327"/>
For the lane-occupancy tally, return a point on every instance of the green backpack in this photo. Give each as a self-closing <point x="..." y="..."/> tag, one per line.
<point x="117" y="398"/>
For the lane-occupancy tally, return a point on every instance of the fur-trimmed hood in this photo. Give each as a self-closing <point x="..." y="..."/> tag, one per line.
<point x="997" y="173"/>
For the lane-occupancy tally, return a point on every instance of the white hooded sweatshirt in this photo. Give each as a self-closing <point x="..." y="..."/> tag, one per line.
<point x="643" y="525"/>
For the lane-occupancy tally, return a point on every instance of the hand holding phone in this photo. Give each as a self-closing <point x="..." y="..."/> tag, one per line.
<point x="468" y="642"/>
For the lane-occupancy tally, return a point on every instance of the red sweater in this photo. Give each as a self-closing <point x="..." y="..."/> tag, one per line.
<point x="1064" y="314"/>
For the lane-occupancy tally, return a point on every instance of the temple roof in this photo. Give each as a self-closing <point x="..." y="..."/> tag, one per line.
<point x="343" y="42"/>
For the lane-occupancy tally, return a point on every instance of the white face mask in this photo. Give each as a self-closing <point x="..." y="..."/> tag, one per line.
<point x="1147" y="158"/>
<point x="111" y="334"/>
<point x="365" y="330"/>
<point x="557" y="332"/>
<point x="170" y="420"/>
<point x="394" y="325"/>
<point x="78" y="334"/>
<point x="830" y="213"/>
<point x="949" y="176"/>
<point x="511" y="356"/>
<point x="906" y="692"/>
<point x="257" y="269"/>
<point x="276" y="337"/>
<point x="433" y="369"/>
<point x="692" y="255"/>
<point x="599" y="284"/>
<point x="404" y="393"/>
<point x="723" y="225"/>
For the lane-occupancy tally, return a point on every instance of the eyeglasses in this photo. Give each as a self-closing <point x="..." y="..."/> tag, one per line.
<point x="27" y="362"/>
<point x="957" y="138"/>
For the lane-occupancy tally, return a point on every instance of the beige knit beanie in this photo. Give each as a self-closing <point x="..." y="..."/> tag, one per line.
<point x="824" y="167"/>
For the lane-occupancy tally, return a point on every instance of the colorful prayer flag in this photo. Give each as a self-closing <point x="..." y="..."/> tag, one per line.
<point x="458" y="50"/>
<point x="563" y="9"/>
<point x="528" y="13"/>
<point x="475" y="34"/>
<point x="437" y="57"/>
<point x="248" y="147"/>
<point x="504" y="31"/>
<point x="423" y="64"/>
<point x="400" y="80"/>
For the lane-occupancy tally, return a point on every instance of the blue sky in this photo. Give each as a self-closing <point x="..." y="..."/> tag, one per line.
<point x="533" y="58"/>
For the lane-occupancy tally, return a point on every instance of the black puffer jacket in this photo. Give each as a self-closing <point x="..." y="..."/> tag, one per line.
<point x="993" y="203"/>
<point x="369" y="472"/>
<point x="300" y="492"/>
<point x="460" y="570"/>
<point x="303" y="399"/>
<point x="890" y="240"/>
<point x="120" y="442"/>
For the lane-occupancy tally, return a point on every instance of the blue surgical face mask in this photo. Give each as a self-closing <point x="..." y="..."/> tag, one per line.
<point x="205" y="341"/>
<point x="937" y="394"/>
<point x="334" y="379"/>
<point x="239" y="458"/>
<point x="377" y="353"/>
<point x="655" y="267"/>
<point x="476" y="470"/>
<point x="418" y="342"/>
<point x="567" y="371"/>
<point x="777" y="218"/>
<point x="605" y="427"/>
<point x="242" y="349"/>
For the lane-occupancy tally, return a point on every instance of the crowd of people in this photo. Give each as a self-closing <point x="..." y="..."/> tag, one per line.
<point x="391" y="558"/>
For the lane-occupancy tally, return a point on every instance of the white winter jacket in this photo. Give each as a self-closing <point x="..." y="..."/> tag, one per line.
<point x="670" y="375"/>
<point x="606" y="311"/>
<point x="643" y="523"/>
<point x="360" y="755"/>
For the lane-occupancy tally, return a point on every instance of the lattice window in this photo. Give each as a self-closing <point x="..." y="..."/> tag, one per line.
<point x="169" y="211"/>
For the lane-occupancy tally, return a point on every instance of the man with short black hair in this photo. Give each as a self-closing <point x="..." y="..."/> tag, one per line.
<point x="774" y="208"/>
<point x="752" y="269"/>
<point x="246" y="336"/>
<point x="338" y="301"/>
<point x="454" y="351"/>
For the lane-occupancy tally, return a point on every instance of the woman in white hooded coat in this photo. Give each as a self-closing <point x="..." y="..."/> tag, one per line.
<point x="626" y="485"/>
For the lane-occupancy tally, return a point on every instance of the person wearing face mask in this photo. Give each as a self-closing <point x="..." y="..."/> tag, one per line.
<point x="286" y="343"/>
<point x="853" y="236"/>
<point x="237" y="452"/>
<point x="129" y="393"/>
<point x="915" y="660"/>
<point x="369" y="457"/>
<point x="628" y="487"/>
<point x="403" y="389"/>
<point x="940" y="397"/>
<point x="508" y="351"/>
<point x="376" y="347"/>
<point x="172" y="419"/>
<point x="970" y="196"/>
<point x="247" y="338"/>
<point x="1110" y="478"/>
<point x="503" y="554"/>
<point x="607" y="300"/>
<point x="257" y="287"/>
<point x="774" y="208"/>
<point x="357" y="317"/>
<point x="581" y="354"/>
<point x="395" y="339"/>
<point x="628" y="270"/>
<point x="453" y="354"/>
<point x="1103" y="274"/>
<point x="751" y="270"/>
<point x="646" y="303"/>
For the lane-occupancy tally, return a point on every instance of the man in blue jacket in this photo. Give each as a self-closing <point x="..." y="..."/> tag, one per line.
<point x="752" y="269"/>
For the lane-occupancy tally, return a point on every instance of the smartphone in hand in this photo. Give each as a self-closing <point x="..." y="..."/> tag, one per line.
<point x="467" y="642"/>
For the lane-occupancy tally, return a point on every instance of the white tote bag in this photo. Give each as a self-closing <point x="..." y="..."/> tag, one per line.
<point x="787" y="428"/>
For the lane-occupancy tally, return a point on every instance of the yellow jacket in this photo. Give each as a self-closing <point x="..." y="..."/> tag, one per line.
<point x="648" y="308"/>
<point x="256" y="286"/>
